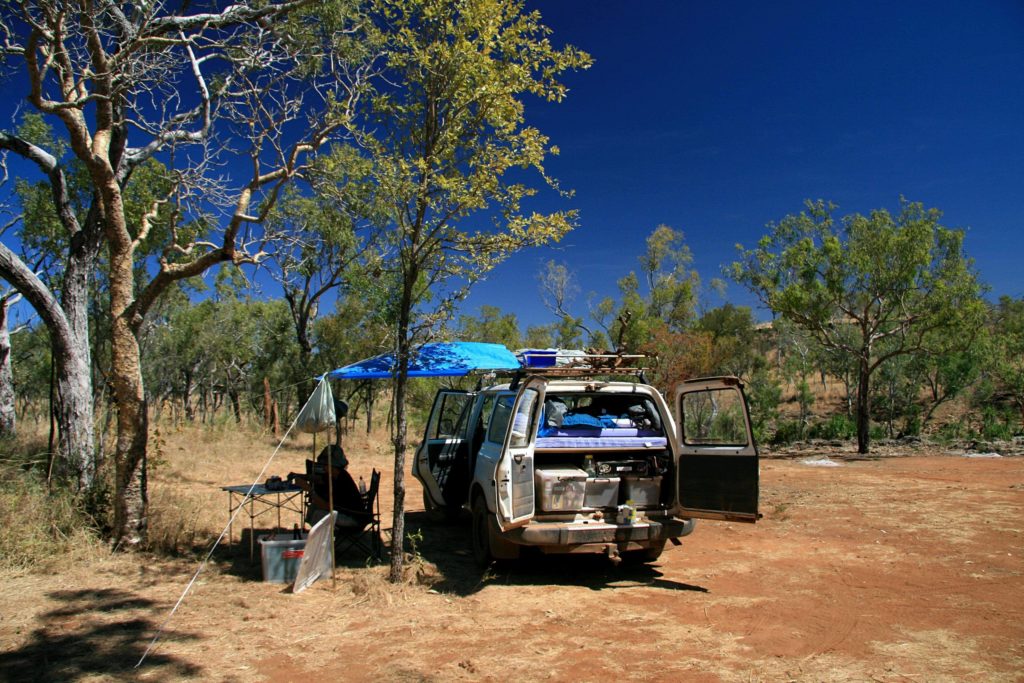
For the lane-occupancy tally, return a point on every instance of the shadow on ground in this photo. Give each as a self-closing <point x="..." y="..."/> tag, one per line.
<point x="91" y="633"/>
<point x="447" y="546"/>
<point x="234" y="558"/>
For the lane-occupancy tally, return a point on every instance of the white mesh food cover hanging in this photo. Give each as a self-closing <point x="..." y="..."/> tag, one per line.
<point x="318" y="413"/>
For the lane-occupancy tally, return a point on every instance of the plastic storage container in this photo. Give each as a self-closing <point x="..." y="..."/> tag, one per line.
<point x="643" y="491"/>
<point x="601" y="492"/>
<point x="562" y="489"/>
<point x="281" y="555"/>
<point x="538" y="358"/>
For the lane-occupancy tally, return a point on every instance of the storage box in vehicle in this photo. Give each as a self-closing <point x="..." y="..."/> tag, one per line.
<point x="562" y="489"/>
<point x="601" y="492"/>
<point x="643" y="491"/>
<point x="281" y="555"/>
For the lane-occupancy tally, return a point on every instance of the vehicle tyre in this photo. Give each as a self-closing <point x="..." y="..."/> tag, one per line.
<point x="646" y="555"/>
<point x="482" y="536"/>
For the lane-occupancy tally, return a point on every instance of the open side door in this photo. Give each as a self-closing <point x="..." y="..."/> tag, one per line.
<point x="717" y="469"/>
<point x="514" y="474"/>
<point x="443" y="454"/>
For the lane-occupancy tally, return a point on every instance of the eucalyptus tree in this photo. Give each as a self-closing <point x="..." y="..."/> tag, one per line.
<point x="8" y="414"/>
<point x="735" y="338"/>
<point x="558" y="288"/>
<point x="490" y="325"/>
<point x="133" y="83"/>
<point x="663" y="295"/>
<point x="1006" y="351"/>
<point x="896" y="279"/>
<point x="48" y="253"/>
<point x="448" y="140"/>
<point x="322" y="238"/>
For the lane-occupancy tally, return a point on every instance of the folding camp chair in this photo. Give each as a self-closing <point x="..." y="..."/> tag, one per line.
<point x="361" y="528"/>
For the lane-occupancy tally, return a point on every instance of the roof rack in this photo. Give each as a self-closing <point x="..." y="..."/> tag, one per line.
<point x="558" y="363"/>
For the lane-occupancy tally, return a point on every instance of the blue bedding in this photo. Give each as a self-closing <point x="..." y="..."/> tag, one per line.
<point x="597" y="442"/>
<point x="606" y="437"/>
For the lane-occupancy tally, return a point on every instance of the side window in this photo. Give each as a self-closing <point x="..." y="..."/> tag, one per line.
<point x="499" y="418"/>
<point x="485" y="412"/>
<point x="714" y="418"/>
<point x="445" y="420"/>
<point x="521" y="425"/>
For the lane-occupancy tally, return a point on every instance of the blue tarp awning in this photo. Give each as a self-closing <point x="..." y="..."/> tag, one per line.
<point x="440" y="359"/>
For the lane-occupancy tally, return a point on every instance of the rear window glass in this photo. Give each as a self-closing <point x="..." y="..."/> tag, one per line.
<point x="714" y="418"/>
<point x="600" y="411"/>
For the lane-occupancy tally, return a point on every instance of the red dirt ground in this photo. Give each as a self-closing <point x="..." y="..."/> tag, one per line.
<point x="890" y="569"/>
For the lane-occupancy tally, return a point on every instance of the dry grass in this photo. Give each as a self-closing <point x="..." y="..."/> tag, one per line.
<point x="188" y="509"/>
<point x="40" y="530"/>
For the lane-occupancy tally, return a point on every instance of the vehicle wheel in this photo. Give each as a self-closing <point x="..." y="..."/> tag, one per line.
<point x="646" y="555"/>
<point x="482" y="552"/>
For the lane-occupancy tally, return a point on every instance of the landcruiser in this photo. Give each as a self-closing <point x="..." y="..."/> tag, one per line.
<point x="577" y="465"/>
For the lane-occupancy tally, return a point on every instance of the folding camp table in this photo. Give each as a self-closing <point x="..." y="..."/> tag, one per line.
<point x="258" y="500"/>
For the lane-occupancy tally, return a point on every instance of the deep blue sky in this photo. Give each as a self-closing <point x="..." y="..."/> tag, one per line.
<point x="718" y="117"/>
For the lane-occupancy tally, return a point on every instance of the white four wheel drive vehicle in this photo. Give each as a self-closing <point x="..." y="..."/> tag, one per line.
<point x="578" y="465"/>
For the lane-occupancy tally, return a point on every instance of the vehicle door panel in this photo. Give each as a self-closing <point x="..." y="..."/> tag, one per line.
<point x="717" y="472"/>
<point x="444" y="448"/>
<point x="514" y="474"/>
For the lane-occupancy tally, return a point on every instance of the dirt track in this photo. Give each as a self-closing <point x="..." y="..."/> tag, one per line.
<point x="898" y="569"/>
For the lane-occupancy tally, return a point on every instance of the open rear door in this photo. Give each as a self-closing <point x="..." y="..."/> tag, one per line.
<point x="514" y="476"/>
<point x="442" y="459"/>
<point x="717" y="469"/>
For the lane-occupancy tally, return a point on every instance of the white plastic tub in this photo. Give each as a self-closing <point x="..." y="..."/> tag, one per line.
<point x="601" y="492"/>
<point x="281" y="555"/>
<point x="643" y="491"/>
<point x="561" y="488"/>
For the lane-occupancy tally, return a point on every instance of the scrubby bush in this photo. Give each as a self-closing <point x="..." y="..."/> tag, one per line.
<point x="836" y="427"/>
<point x="996" y="424"/>
<point x="952" y="431"/>
<point x="763" y="395"/>
<point x="787" y="431"/>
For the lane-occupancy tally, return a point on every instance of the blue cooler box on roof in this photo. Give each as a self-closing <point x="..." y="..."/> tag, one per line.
<point x="538" y="358"/>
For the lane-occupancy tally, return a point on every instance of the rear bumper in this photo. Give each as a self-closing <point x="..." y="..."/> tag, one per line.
<point x="644" y="533"/>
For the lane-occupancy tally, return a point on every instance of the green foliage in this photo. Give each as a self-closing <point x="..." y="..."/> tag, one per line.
<point x="733" y="331"/>
<point x="539" y="336"/>
<point x="490" y="326"/>
<point x="836" y="427"/>
<point x="1005" y="353"/>
<point x="441" y="146"/>
<point x="763" y="396"/>
<point x="787" y="432"/>
<point x="897" y="280"/>
<point x="218" y="346"/>
<point x="996" y="424"/>
<point x="671" y="283"/>
<point x="30" y="365"/>
<point x="666" y="299"/>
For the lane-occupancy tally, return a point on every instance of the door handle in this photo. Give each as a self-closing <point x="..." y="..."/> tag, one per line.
<point x="518" y="457"/>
